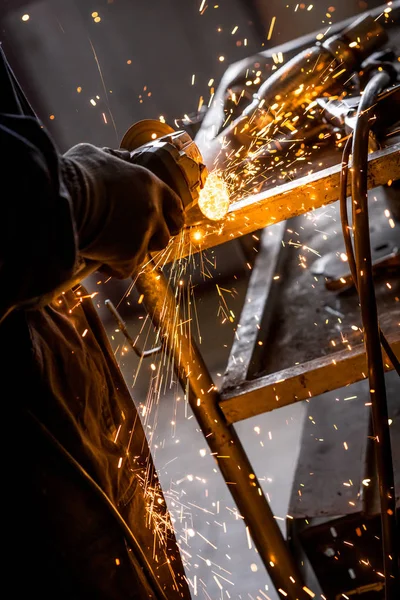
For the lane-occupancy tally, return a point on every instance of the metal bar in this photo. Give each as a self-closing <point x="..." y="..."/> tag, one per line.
<point x="254" y="311"/>
<point x="300" y="382"/>
<point x="222" y="439"/>
<point x="283" y="202"/>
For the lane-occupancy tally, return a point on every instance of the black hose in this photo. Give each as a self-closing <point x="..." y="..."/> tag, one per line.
<point x="369" y="315"/>
<point x="131" y="540"/>
<point x="349" y="246"/>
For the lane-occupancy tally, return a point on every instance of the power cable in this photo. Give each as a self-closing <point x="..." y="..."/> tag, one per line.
<point x="363" y="279"/>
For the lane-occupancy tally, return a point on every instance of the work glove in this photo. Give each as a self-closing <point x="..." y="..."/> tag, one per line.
<point x="122" y="211"/>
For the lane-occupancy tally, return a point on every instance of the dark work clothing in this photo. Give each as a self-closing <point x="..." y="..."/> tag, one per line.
<point x="62" y="386"/>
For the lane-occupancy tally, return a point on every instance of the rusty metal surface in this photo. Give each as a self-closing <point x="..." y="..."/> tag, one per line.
<point x="283" y="202"/>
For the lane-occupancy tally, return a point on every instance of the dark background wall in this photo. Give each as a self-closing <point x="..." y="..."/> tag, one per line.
<point x="138" y="60"/>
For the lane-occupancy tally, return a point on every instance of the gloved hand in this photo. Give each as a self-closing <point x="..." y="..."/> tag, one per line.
<point x="121" y="210"/>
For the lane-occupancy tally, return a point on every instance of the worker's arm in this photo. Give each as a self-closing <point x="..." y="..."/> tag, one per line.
<point x="88" y="202"/>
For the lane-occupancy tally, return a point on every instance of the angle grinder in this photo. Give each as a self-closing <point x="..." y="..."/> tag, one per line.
<point x="175" y="158"/>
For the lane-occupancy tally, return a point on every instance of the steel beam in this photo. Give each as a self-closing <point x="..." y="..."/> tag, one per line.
<point x="282" y="202"/>
<point x="300" y="382"/>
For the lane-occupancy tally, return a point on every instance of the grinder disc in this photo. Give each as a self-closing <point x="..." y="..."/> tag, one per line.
<point x="143" y="132"/>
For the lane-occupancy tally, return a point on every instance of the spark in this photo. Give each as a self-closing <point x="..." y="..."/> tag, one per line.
<point x="206" y="540"/>
<point x="271" y="28"/>
<point x="25" y="18"/>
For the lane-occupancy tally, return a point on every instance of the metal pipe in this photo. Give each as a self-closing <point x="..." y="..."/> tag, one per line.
<point x="222" y="439"/>
<point x="371" y="332"/>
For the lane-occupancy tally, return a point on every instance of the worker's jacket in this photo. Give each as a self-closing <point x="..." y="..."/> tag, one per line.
<point x="75" y="458"/>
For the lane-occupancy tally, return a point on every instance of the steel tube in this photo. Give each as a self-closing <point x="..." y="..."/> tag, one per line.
<point x="369" y="315"/>
<point x="222" y="439"/>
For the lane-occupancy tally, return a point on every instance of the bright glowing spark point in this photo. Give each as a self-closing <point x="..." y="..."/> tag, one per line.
<point x="97" y="20"/>
<point x="93" y="102"/>
<point x="214" y="197"/>
<point x="52" y="117"/>
<point x="84" y="333"/>
<point x="153" y="367"/>
<point x="153" y="136"/>
<point x="79" y="89"/>
<point x="25" y="17"/>
<point x="191" y="532"/>
<point x="95" y="14"/>
<point x="254" y="567"/>
<point x="234" y="30"/>
<point x="343" y="257"/>
<point x="197" y="235"/>
<point x="202" y="5"/>
<point x="309" y="592"/>
<point x="203" y="452"/>
<point x="221" y="58"/>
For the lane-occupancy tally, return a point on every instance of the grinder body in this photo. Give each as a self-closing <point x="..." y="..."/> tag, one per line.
<point x="171" y="155"/>
<point x="174" y="157"/>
